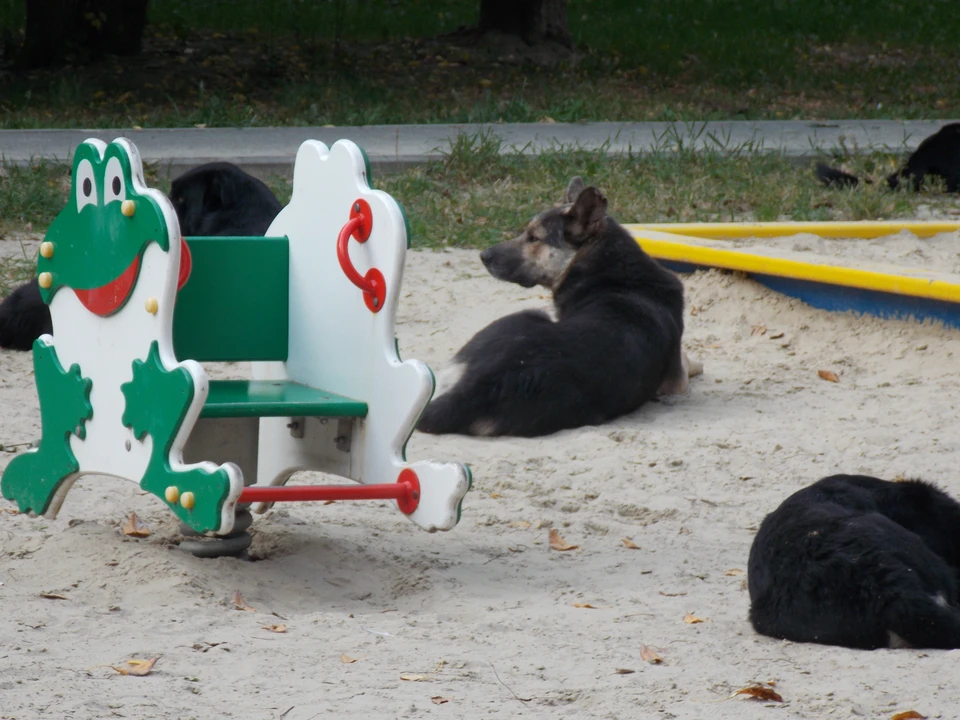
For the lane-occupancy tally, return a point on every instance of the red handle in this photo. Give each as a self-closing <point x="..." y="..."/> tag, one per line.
<point x="359" y="226"/>
<point x="406" y="491"/>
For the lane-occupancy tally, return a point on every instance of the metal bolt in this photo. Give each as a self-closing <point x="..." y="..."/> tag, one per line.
<point x="356" y="207"/>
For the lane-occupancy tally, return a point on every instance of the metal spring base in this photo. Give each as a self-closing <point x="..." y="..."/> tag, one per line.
<point x="232" y="545"/>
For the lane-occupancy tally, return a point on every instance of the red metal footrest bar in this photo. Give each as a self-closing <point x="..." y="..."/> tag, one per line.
<point x="406" y="491"/>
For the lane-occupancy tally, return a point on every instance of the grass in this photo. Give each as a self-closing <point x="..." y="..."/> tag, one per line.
<point x="347" y="62"/>
<point x="478" y="196"/>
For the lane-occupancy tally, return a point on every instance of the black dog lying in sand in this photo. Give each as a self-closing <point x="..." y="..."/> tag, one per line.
<point x="615" y="343"/>
<point x="938" y="155"/>
<point x="859" y="562"/>
<point x="213" y="199"/>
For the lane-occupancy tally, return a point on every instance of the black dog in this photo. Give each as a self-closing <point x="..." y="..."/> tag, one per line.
<point x="210" y="200"/>
<point x="937" y="155"/>
<point x="220" y="199"/>
<point x="859" y="562"/>
<point x="614" y="346"/>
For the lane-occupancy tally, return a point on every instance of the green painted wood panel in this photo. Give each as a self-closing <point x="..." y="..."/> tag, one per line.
<point x="234" y="304"/>
<point x="275" y="398"/>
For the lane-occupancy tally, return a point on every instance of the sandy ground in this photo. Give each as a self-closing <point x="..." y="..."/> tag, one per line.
<point x="485" y="616"/>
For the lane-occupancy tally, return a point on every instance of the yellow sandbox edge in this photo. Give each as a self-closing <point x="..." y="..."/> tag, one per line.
<point x="867" y="230"/>
<point x="670" y="247"/>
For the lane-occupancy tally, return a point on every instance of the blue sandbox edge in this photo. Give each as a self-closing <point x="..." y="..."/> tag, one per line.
<point x="840" y="298"/>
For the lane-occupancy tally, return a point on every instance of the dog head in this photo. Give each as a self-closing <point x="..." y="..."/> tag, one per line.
<point x="541" y="253"/>
<point x="221" y="199"/>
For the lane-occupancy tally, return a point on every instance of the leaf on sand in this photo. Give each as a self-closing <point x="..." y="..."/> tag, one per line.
<point x="624" y="671"/>
<point x="759" y="692"/>
<point x="347" y="660"/>
<point x="53" y="596"/>
<point x="437" y="700"/>
<point x="828" y="375"/>
<point x="558" y="543"/>
<point x="627" y="542"/>
<point x="414" y="678"/>
<point x="588" y="606"/>
<point x="909" y="715"/>
<point x="135" y="527"/>
<point x="734" y="572"/>
<point x="240" y="603"/>
<point x="648" y="655"/>
<point x="692" y="619"/>
<point x="139" y="668"/>
<point x="760" y="329"/>
<point x="275" y="628"/>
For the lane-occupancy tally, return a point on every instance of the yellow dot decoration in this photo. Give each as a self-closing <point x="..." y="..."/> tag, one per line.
<point x="172" y="494"/>
<point x="151" y="305"/>
<point x="45" y="280"/>
<point x="187" y="500"/>
<point x="128" y="207"/>
<point x="46" y="249"/>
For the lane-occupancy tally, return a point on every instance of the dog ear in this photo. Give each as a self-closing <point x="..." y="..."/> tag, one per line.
<point x="588" y="215"/>
<point x="573" y="189"/>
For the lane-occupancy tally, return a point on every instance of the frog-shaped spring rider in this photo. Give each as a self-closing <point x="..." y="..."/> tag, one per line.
<point x="114" y="400"/>
<point x="330" y="392"/>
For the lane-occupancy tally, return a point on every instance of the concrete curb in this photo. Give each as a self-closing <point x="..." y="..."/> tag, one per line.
<point x="265" y="151"/>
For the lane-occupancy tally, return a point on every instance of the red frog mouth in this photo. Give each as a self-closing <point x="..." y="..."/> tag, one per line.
<point x="107" y="299"/>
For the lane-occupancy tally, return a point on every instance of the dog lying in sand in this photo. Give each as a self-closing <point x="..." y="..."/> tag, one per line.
<point x="859" y="562"/>
<point x="937" y="156"/>
<point x="213" y="199"/>
<point x="614" y="346"/>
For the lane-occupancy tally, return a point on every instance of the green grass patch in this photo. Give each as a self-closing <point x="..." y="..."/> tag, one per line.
<point x="347" y="62"/>
<point x="477" y="195"/>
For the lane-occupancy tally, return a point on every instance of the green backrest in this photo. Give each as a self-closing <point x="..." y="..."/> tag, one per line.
<point x="234" y="304"/>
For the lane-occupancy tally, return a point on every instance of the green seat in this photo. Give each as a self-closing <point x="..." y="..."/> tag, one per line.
<point x="275" y="398"/>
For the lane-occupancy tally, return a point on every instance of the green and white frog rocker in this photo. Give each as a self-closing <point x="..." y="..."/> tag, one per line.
<point x="114" y="400"/>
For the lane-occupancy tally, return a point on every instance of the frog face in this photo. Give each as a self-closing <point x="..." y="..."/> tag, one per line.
<point x="96" y="244"/>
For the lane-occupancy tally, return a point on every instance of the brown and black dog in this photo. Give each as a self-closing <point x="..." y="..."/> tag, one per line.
<point x="614" y="345"/>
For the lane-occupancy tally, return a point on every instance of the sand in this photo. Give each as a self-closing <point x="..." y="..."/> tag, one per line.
<point x="483" y="621"/>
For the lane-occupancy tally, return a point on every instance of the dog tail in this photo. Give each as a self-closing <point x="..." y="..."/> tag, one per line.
<point x="833" y="177"/>
<point x="23" y="317"/>
<point x="449" y="414"/>
<point x="929" y="624"/>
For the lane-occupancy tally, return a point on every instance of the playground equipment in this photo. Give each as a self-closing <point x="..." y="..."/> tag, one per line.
<point x="136" y="309"/>
<point x="893" y="292"/>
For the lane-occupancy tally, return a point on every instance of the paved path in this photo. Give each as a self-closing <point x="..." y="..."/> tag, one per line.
<point x="270" y="150"/>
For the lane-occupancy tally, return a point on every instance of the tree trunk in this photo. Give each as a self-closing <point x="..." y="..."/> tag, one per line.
<point x="535" y="21"/>
<point x="81" y="30"/>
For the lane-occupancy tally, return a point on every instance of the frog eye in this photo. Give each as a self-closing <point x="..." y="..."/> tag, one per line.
<point x="86" y="186"/>
<point x="114" y="186"/>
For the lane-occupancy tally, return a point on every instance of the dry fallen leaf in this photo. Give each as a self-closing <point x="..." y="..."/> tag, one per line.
<point x="649" y="655"/>
<point x="240" y="603"/>
<point x="437" y="700"/>
<point x="828" y="375"/>
<point x="53" y="596"/>
<point x="346" y="659"/>
<point x="585" y="605"/>
<point x="558" y="543"/>
<point x="414" y="678"/>
<point x="328" y="502"/>
<point x="495" y="495"/>
<point x="909" y="715"/>
<point x="627" y="542"/>
<point x="691" y="619"/>
<point x="776" y="336"/>
<point x="134" y="527"/>
<point x="760" y="329"/>
<point x="275" y="628"/>
<point x="624" y="671"/>
<point x="758" y="692"/>
<point x="140" y="668"/>
<point x="734" y="572"/>
<point x="522" y="524"/>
